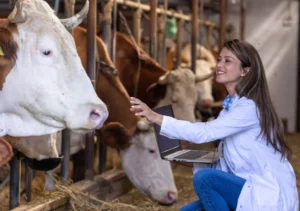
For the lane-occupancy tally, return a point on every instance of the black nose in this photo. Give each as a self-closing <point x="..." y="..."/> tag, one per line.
<point x="44" y="164"/>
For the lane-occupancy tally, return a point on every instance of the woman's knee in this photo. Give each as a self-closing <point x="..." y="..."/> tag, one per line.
<point x="202" y="176"/>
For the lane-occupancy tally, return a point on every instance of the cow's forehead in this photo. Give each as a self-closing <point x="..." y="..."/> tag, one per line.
<point x="35" y="27"/>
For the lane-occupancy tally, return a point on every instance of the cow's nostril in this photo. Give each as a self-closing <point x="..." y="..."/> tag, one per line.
<point x="95" y="114"/>
<point x="172" y="196"/>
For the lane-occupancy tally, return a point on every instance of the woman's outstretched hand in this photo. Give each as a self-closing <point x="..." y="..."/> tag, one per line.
<point x="141" y="109"/>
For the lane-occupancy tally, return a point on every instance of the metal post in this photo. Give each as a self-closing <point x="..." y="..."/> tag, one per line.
<point x="180" y="23"/>
<point x="106" y="22"/>
<point x="164" y="54"/>
<point x="65" y="150"/>
<point x="14" y="194"/>
<point x="102" y="156"/>
<point x="11" y="4"/>
<point x="222" y="23"/>
<point x="243" y="19"/>
<point x="137" y="24"/>
<point x="161" y="53"/>
<point x="298" y="75"/>
<point x="91" y="44"/>
<point x="209" y="37"/>
<point x="56" y="6"/>
<point x="69" y="7"/>
<point x="28" y="179"/>
<point x="115" y="26"/>
<point x="194" y="33"/>
<point x="153" y="29"/>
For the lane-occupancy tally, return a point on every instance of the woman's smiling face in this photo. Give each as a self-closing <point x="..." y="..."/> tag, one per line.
<point x="229" y="70"/>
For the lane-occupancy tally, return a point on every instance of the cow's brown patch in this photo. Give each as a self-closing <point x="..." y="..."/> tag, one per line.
<point x="9" y="48"/>
<point x="115" y="135"/>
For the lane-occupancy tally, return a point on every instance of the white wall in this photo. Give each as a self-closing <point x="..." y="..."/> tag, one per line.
<point x="277" y="46"/>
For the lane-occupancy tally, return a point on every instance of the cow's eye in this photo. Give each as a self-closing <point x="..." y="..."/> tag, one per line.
<point x="151" y="151"/>
<point x="47" y="53"/>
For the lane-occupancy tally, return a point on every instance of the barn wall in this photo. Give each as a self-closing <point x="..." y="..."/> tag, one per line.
<point x="277" y="46"/>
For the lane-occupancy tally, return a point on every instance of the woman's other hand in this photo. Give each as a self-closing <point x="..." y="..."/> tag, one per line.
<point x="141" y="109"/>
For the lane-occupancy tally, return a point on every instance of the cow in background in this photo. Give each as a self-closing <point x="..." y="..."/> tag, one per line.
<point x="144" y="78"/>
<point x="44" y="87"/>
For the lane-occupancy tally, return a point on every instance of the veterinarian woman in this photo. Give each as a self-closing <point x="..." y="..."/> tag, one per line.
<point x="253" y="173"/>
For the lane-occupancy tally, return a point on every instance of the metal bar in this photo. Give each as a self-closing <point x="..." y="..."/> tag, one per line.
<point x="137" y="24"/>
<point x="14" y="191"/>
<point x="28" y="179"/>
<point x="164" y="53"/>
<point x="91" y="63"/>
<point x="102" y="156"/>
<point x="106" y="24"/>
<point x="106" y="32"/>
<point x="170" y="13"/>
<point x="243" y="19"/>
<point x="298" y="76"/>
<point x="153" y="29"/>
<point x="11" y="4"/>
<point x="209" y="37"/>
<point x="180" y="23"/>
<point x="69" y="7"/>
<point x="65" y="150"/>
<point x="161" y="51"/>
<point x="115" y="25"/>
<point x="194" y="33"/>
<point x="222" y="23"/>
<point x="56" y="6"/>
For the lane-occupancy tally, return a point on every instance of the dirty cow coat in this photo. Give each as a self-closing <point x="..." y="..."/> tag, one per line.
<point x="271" y="182"/>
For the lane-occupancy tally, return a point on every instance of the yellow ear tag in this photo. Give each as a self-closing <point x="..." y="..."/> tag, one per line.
<point x="1" y="52"/>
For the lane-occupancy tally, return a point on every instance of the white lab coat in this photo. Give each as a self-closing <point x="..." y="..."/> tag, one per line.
<point x="270" y="181"/>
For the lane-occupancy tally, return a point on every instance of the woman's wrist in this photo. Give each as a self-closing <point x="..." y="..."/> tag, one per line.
<point x="158" y="119"/>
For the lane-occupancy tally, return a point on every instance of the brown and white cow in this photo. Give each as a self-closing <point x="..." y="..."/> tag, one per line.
<point x="131" y="135"/>
<point x="44" y="87"/>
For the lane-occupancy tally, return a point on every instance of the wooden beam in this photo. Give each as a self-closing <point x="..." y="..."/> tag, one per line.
<point x="106" y="186"/>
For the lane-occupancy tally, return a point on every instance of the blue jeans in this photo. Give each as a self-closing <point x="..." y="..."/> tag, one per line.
<point x="217" y="190"/>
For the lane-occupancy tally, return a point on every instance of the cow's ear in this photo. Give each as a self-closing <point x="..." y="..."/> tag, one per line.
<point x="114" y="135"/>
<point x="5" y="152"/>
<point x="8" y="46"/>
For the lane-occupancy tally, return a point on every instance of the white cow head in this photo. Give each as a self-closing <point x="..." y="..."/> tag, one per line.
<point x="181" y="93"/>
<point x="145" y="168"/>
<point x="47" y="89"/>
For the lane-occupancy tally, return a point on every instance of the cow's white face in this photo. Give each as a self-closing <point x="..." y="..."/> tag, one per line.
<point x="147" y="171"/>
<point x="48" y="88"/>
<point x="204" y="88"/>
<point x="181" y="93"/>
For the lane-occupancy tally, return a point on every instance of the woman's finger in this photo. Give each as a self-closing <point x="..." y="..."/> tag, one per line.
<point x="134" y="100"/>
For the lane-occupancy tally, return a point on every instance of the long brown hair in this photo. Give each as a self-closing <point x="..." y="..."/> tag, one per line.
<point x="254" y="86"/>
